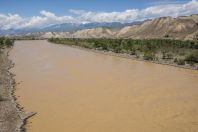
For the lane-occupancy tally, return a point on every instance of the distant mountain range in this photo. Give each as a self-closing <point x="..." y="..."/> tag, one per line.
<point x="67" y="27"/>
<point x="71" y="27"/>
<point x="182" y="28"/>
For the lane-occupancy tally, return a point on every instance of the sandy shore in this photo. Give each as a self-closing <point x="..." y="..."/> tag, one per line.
<point x="12" y="117"/>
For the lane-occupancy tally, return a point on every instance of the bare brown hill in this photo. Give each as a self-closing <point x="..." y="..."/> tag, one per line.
<point x="185" y="27"/>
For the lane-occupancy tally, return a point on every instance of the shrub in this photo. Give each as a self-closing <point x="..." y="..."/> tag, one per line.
<point x="192" y="57"/>
<point x="175" y="60"/>
<point x="149" y="56"/>
<point x="132" y="52"/>
<point x="5" y="42"/>
<point x="180" y="62"/>
<point x="117" y="50"/>
<point x="167" y="56"/>
<point x="8" y="42"/>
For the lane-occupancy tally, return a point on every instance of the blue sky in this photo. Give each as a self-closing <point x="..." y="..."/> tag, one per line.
<point x="19" y="14"/>
<point x="61" y="7"/>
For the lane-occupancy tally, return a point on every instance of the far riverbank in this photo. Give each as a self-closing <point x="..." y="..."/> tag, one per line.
<point x="187" y="60"/>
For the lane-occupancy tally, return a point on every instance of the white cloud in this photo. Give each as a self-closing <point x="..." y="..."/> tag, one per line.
<point x="46" y="18"/>
<point x="47" y="14"/>
<point x="173" y="9"/>
<point x="8" y="21"/>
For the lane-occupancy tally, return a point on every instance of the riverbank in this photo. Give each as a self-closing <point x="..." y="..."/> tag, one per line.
<point x="133" y="57"/>
<point x="12" y="117"/>
<point x="127" y="56"/>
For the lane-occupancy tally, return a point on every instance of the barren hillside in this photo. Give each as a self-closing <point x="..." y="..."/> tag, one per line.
<point x="183" y="28"/>
<point x="178" y="28"/>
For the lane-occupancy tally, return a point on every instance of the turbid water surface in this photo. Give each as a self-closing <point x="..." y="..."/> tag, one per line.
<point x="73" y="90"/>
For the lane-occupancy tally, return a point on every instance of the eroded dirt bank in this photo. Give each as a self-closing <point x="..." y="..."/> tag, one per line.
<point x="12" y="118"/>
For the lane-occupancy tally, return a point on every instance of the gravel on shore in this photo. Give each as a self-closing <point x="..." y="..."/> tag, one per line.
<point x="12" y="117"/>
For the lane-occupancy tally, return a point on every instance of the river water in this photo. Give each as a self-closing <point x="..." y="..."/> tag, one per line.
<point x="73" y="90"/>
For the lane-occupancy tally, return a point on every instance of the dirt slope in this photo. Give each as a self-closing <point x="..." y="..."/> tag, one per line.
<point x="177" y="28"/>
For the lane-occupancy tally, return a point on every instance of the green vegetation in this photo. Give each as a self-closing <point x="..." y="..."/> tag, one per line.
<point x="149" y="56"/>
<point x="179" y="61"/>
<point x="166" y="50"/>
<point x="192" y="57"/>
<point x="5" y="42"/>
<point x="27" y="38"/>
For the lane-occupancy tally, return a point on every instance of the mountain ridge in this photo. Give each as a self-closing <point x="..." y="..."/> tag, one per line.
<point x="182" y="27"/>
<point x="67" y="27"/>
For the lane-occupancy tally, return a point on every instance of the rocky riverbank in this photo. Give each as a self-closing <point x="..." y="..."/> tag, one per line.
<point x="12" y="117"/>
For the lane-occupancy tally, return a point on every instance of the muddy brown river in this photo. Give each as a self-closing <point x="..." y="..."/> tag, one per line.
<point x="74" y="90"/>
